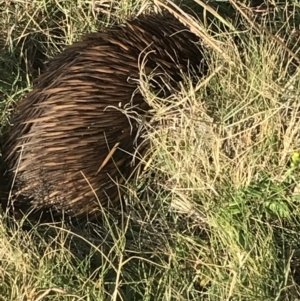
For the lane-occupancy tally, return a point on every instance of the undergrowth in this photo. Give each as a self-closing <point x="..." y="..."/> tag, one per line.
<point x="215" y="213"/>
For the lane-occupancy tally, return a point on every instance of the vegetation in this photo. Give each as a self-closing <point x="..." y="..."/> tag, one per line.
<point x="215" y="214"/>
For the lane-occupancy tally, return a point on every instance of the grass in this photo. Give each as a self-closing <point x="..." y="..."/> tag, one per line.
<point x="220" y="220"/>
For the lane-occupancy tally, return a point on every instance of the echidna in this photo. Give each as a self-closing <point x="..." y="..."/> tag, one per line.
<point x="64" y="130"/>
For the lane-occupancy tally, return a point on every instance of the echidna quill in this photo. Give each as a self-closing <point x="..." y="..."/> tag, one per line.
<point x="70" y="142"/>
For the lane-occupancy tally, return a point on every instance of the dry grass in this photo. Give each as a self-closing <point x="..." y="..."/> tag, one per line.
<point x="220" y="218"/>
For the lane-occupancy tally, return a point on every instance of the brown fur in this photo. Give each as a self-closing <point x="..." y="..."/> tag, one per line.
<point x="64" y="128"/>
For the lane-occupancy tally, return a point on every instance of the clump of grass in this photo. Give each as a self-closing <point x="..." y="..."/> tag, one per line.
<point x="223" y="153"/>
<point x="216" y="214"/>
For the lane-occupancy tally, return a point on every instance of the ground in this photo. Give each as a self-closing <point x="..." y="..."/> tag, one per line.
<point x="215" y="215"/>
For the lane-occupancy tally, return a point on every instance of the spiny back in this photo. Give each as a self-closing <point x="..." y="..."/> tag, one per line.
<point x="64" y="129"/>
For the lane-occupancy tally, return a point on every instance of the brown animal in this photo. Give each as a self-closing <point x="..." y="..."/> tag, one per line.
<point x="65" y="128"/>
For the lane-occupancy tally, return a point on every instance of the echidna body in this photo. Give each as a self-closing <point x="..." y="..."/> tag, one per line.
<point x="63" y="131"/>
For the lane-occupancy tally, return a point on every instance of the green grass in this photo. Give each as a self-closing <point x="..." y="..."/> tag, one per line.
<point x="220" y="220"/>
